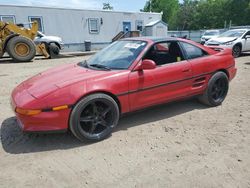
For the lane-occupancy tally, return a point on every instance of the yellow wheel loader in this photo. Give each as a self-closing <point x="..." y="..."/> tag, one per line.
<point x="18" y="42"/>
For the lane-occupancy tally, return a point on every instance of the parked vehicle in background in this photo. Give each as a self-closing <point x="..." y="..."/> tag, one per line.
<point x="53" y="43"/>
<point x="237" y="39"/>
<point x="208" y="35"/>
<point x="17" y="41"/>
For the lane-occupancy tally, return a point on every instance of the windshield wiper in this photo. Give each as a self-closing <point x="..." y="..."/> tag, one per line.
<point x="100" y="66"/>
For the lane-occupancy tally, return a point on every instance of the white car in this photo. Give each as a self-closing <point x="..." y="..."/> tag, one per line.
<point x="53" y="43"/>
<point x="208" y="35"/>
<point x="237" y="39"/>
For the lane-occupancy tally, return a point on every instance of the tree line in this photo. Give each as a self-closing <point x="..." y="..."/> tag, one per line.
<point x="201" y="14"/>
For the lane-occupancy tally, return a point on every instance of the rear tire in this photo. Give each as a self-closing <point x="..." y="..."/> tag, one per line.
<point x="21" y="49"/>
<point x="216" y="91"/>
<point x="236" y="50"/>
<point x="94" y="117"/>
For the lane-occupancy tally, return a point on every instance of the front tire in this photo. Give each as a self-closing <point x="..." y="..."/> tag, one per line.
<point x="21" y="49"/>
<point x="216" y="91"/>
<point x="236" y="51"/>
<point x="94" y="117"/>
<point x="54" y="50"/>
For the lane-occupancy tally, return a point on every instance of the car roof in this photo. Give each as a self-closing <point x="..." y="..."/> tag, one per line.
<point x="163" y="39"/>
<point x="153" y="39"/>
<point x="239" y="29"/>
<point x="159" y="39"/>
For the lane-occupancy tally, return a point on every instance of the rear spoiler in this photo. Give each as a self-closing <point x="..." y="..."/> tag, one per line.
<point x="221" y="50"/>
<point x="216" y="48"/>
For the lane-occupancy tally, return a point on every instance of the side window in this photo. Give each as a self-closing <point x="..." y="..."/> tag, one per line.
<point x="139" y="25"/>
<point x="248" y="33"/>
<point x="93" y="25"/>
<point x="39" y="21"/>
<point x="193" y="51"/>
<point x="165" y="52"/>
<point x="9" y="19"/>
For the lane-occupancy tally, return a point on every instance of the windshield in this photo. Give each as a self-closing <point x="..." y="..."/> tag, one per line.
<point x="211" y="33"/>
<point x="118" y="55"/>
<point x="233" y="33"/>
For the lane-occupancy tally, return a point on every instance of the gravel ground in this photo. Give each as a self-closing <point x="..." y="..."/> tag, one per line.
<point x="182" y="144"/>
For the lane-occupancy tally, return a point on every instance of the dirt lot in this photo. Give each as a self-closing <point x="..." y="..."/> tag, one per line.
<point x="182" y="144"/>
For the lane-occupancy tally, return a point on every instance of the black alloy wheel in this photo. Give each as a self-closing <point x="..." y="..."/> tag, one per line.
<point x="94" y="117"/>
<point x="236" y="51"/>
<point x="216" y="91"/>
<point x="219" y="89"/>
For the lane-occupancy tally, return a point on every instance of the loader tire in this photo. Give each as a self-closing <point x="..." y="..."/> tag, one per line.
<point x="21" y="49"/>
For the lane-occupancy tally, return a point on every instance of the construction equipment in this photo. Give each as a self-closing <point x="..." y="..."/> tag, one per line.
<point x="18" y="42"/>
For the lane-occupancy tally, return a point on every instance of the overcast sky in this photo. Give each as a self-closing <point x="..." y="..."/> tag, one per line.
<point x="119" y="5"/>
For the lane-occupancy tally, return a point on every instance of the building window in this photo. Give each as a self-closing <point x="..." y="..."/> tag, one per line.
<point x="94" y="25"/>
<point x="9" y="19"/>
<point x="39" y="20"/>
<point x="139" y="25"/>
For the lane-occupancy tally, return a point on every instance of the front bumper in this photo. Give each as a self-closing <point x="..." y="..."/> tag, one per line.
<point x="203" y="41"/>
<point x="42" y="122"/>
<point x="45" y="121"/>
<point x="220" y="45"/>
<point x="62" y="46"/>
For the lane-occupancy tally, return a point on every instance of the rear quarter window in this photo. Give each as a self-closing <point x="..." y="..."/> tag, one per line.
<point x="192" y="51"/>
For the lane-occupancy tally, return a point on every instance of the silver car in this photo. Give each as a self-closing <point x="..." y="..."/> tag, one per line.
<point x="53" y="43"/>
<point x="208" y="35"/>
<point x="237" y="39"/>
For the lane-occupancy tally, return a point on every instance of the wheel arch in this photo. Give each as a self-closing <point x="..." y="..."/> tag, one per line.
<point x="239" y="44"/>
<point x="113" y="96"/>
<point x="223" y="70"/>
<point x="56" y="43"/>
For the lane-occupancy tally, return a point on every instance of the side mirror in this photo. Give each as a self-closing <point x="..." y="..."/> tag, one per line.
<point x="247" y="37"/>
<point x="146" y="64"/>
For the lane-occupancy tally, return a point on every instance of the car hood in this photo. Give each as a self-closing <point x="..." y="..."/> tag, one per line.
<point x="222" y="39"/>
<point x="49" y="81"/>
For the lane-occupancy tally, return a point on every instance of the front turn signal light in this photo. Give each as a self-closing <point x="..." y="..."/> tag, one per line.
<point x="60" y="108"/>
<point x="27" y="112"/>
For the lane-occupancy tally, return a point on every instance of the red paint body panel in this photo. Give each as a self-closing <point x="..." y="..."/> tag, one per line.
<point x="147" y="82"/>
<point x="45" y="121"/>
<point x="67" y="84"/>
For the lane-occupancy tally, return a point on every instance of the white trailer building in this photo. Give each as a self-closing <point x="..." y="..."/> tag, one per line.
<point x="77" y="25"/>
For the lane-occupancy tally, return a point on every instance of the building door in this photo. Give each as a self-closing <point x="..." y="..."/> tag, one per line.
<point x="126" y="26"/>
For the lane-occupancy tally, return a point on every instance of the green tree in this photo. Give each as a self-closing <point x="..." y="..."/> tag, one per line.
<point x="238" y="11"/>
<point x="107" y="6"/>
<point x="186" y="15"/>
<point x="201" y="14"/>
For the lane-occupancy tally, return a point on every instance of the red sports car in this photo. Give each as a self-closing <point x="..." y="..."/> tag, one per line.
<point x="131" y="74"/>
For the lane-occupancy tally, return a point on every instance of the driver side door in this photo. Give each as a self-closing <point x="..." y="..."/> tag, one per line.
<point x="164" y="83"/>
